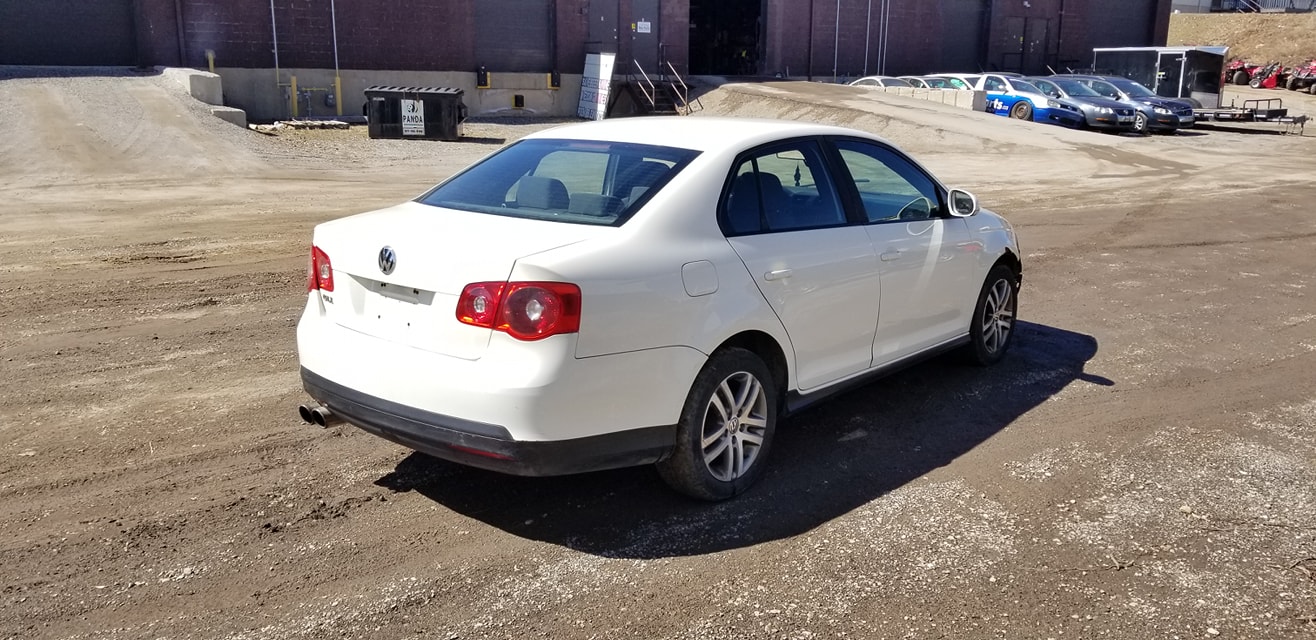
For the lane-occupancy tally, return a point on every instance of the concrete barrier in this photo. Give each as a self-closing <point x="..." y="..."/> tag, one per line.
<point x="202" y="85"/>
<point x="208" y="88"/>
<point x="229" y="114"/>
<point x="962" y="98"/>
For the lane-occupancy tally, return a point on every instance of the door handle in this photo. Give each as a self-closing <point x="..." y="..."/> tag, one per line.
<point x="777" y="274"/>
<point x="888" y="256"/>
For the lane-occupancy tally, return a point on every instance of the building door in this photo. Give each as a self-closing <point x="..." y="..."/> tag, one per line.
<point x="1011" y="46"/>
<point x="602" y="27"/>
<point x="645" y="35"/>
<point x="725" y="36"/>
<point x="1037" y="35"/>
<point x="514" y="35"/>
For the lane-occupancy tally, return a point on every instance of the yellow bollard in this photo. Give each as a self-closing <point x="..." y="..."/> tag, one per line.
<point x="338" y="94"/>
<point x="293" y="93"/>
<point x="210" y="59"/>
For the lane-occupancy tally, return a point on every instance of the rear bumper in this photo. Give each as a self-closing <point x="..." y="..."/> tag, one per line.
<point x="488" y="446"/>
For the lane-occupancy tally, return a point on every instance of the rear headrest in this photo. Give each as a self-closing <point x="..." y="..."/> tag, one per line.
<point x="542" y="193"/>
<point x="594" y="204"/>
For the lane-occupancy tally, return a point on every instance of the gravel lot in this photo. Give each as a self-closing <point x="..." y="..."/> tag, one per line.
<point x="1142" y="465"/>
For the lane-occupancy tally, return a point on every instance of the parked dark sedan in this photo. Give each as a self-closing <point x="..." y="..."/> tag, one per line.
<point x="1099" y="113"/>
<point x="1164" y="110"/>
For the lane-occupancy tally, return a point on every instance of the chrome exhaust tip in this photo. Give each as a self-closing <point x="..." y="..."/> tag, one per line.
<point x="318" y="415"/>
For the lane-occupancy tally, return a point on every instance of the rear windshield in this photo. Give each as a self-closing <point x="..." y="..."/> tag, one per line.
<point x="576" y="181"/>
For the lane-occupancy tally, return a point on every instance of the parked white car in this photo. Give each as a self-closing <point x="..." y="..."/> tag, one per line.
<point x="647" y="290"/>
<point x="880" y="81"/>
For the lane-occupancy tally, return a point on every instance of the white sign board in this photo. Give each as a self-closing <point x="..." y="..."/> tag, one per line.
<point x="413" y="118"/>
<point x="643" y="26"/>
<point x="595" y="86"/>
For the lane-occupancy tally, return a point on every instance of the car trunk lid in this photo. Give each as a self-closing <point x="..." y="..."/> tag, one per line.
<point x="435" y="253"/>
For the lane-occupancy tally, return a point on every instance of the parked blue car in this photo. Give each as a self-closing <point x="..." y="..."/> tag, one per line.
<point x="1017" y="98"/>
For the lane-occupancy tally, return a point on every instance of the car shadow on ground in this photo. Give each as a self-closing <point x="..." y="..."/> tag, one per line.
<point x="825" y="463"/>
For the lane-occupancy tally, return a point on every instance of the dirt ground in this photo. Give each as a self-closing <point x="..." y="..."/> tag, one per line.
<point x="1289" y="38"/>
<point x="1142" y="465"/>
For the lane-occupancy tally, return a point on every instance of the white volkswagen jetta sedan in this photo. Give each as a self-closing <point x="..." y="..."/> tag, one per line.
<point x="647" y="290"/>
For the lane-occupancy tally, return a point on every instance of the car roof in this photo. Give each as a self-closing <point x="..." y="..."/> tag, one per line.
<point x="695" y="133"/>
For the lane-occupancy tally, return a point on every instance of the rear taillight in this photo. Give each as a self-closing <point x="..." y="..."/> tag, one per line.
<point x="523" y="310"/>
<point x="321" y="274"/>
<point x="478" y="304"/>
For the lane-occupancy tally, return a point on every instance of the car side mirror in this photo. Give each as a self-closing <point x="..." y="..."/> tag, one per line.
<point x="962" y="203"/>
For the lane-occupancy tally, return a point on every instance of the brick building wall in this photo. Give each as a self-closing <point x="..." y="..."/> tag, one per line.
<point x="410" y="35"/>
<point x="799" y="37"/>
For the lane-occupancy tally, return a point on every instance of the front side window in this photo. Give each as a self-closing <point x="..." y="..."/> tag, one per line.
<point x="1104" y="89"/>
<point x="781" y="188"/>
<point x="1076" y="88"/>
<point x="576" y="181"/>
<point x="890" y="187"/>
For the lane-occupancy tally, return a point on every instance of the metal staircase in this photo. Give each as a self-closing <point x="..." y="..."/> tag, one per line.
<point x="663" y="93"/>
<point x="1265" y="6"/>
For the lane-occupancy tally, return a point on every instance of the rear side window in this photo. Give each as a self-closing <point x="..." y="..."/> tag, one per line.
<point x="576" y="181"/>
<point x="781" y="188"/>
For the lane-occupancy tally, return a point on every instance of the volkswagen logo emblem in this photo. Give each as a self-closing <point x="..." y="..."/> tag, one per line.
<point x="388" y="259"/>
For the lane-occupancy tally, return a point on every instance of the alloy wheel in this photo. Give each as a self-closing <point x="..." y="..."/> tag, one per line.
<point x="735" y="423"/>
<point x="998" y="316"/>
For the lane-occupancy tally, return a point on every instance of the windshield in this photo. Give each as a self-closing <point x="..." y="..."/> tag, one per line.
<point x="937" y="83"/>
<point x="1024" y="86"/>
<point x="1075" y="88"/>
<point x="1133" y="88"/>
<point x="577" y="181"/>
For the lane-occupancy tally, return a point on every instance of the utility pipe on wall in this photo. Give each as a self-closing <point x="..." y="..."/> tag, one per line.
<point x="886" y="33"/>
<point x="811" y="20"/>
<point x="868" y="34"/>
<point x="274" y="25"/>
<point x="338" y="82"/>
<point x="836" y="42"/>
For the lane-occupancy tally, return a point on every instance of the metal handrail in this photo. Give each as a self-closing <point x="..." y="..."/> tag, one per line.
<point x="682" y="93"/>
<point x="647" y="87"/>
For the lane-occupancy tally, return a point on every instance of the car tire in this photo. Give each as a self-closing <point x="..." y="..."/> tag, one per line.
<point x="1140" y="124"/>
<point x="992" y="328"/>
<point x="1311" y="88"/>
<point x="726" y="428"/>
<point x="1241" y="77"/>
<point x="1022" y="110"/>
